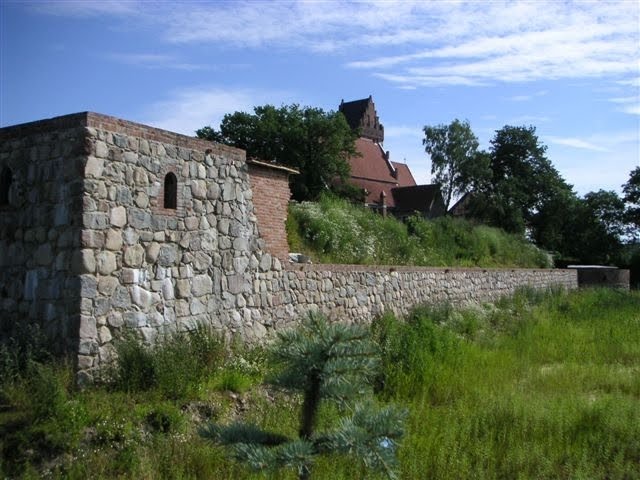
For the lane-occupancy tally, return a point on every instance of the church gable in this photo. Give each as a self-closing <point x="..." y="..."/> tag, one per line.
<point x="361" y="114"/>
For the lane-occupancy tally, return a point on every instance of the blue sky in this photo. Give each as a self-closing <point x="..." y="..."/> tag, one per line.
<point x="571" y="69"/>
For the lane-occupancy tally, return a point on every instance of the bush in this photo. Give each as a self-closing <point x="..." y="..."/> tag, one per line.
<point x="334" y="231"/>
<point x="174" y="365"/>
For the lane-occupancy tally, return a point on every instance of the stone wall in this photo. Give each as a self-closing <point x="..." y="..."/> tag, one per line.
<point x="91" y="248"/>
<point x="359" y="293"/>
<point x="40" y="229"/>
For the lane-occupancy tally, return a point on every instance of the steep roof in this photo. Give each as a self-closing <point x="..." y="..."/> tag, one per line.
<point x="361" y="115"/>
<point x="373" y="171"/>
<point x="354" y="110"/>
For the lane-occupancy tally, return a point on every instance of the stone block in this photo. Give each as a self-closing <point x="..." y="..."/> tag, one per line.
<point x="134" y="256"/>
<point x="168" y="255"/>
<point x="121" y="298"/>
<point x="83" y="261"/>
<point x="95" y="220"/>
<point x="107" y="285"/>
<point x="92" y="239"/>
<point x="113" y="240"/>
<point x="101" y="149"/>
<point x="183" y="288"/>
<point x="265" y="262"/>
<point x="201" y="285"/>
<point x="106" y="262"/>
<point x="88" y="329"/>
<point x="135" y="319"/>
<point x="199" y="189"/>
<point x="44" y="255"/>
<point x="94" y="167"/>
<point x="115" y="319"/>
<point x="152" y="252"/>
<point x="88" y="286"/>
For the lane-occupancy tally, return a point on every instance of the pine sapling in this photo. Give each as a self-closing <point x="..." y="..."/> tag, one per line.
<point x="324" y="362"/>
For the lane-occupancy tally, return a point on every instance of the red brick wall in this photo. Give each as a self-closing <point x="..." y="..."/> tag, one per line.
<point x="270" y="199"/>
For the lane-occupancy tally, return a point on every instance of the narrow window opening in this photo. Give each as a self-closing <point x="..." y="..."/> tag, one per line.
<point x="6" y="177"/>
<point x="170" y="191"/>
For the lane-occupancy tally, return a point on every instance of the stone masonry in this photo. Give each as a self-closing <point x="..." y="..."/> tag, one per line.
<point x="92" y="243"/>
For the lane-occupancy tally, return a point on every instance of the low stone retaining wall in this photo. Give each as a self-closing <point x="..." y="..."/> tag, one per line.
<point x="359" y="293"/>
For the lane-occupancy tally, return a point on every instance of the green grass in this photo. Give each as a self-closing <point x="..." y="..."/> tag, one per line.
<point x="335" y="231"/>
<point x="542" y="385"/>
<point x="554" y="395"/>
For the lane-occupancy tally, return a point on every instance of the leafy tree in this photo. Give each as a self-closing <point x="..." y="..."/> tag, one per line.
<point x="325" y="362"/>
<point x="631" y="191"/>
<point x="454" y="160"/>
<point x="315" y="142"/>
<point x="521" y="184"/>
<point x="608" y="210"/>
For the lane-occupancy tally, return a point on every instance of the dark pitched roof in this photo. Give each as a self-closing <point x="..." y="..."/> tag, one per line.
<point x="353" y="111"/>
<point x="361" y="115"/>
<point x="421" y="198"/>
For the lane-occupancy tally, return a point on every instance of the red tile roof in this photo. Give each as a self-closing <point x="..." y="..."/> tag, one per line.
<point x="373" y="171"/>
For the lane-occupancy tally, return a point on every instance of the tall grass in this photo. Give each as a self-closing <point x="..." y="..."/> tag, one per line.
<point x="335" y="231"/>
<point x="541" y="385"/>
<point x="554" y="394"/>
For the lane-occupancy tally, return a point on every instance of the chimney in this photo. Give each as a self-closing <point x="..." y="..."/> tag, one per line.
<point x="383" y="202"/>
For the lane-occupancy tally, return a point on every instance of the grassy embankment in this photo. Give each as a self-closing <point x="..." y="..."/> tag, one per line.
<point x="541" y="386"/>
<point x="335" y="231"/>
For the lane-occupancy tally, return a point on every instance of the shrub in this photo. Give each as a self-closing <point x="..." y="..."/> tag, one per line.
<point x="335" y="231"/>
<point x="324" y="362"/>
<point x="174" y="365"/>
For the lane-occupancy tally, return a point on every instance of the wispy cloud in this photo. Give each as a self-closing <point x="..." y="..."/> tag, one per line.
<point x="156" y="61"/>
<point x="442" y="42"/>
<point x="77" y="8"/>
<point x="528" y="97"/>
<point x="630" y="105"/>
<point x="576" y="143"/>
<point x="186" y="110"/>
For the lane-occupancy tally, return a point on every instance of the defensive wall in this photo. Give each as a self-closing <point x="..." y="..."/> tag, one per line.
<point x="108" y="226"/>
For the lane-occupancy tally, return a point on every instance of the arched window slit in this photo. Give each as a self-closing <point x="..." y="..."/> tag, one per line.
<point x="170" y="191"/>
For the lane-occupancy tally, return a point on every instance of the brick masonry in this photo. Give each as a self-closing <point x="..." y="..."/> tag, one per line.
<point x="88" y="250"/>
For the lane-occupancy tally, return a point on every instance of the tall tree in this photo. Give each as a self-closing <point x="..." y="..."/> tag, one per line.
<point x="631" y="191"/>
<point x="453" y="150"/>
<point x="522" y="181"/>
<point x="315" y="142"/>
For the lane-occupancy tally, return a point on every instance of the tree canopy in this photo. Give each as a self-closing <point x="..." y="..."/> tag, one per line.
<point x="631" y="191"/>
<point x="455" y="163"/>
<point x="517" y="188"/>
<point x="521" y="182"/>
<point x="315" y="142"/>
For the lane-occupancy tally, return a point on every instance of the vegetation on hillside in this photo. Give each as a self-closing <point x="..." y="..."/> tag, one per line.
<point x="540" y="385"/>
<point x="335" y="231"/>
<point x="515" y="186"/>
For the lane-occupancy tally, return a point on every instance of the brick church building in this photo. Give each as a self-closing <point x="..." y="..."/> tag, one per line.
<point x="388" y="186"/>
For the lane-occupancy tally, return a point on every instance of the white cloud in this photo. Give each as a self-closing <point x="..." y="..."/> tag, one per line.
<point x="442" y="42"/>
<point x="576" y="143"/>
<point x="189" y="109"/>
<point x="156" y="61"/>
<point x="76" y="8"/>
<point x="630" y="105"/>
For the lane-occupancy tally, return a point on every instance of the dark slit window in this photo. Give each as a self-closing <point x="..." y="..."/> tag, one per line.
<point x="170" y="191"/>
<point x="6" y="178"/>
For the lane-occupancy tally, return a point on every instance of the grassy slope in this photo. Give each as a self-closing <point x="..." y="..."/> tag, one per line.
<point x="334" y="231"/>
<point x="535" y="387"/>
